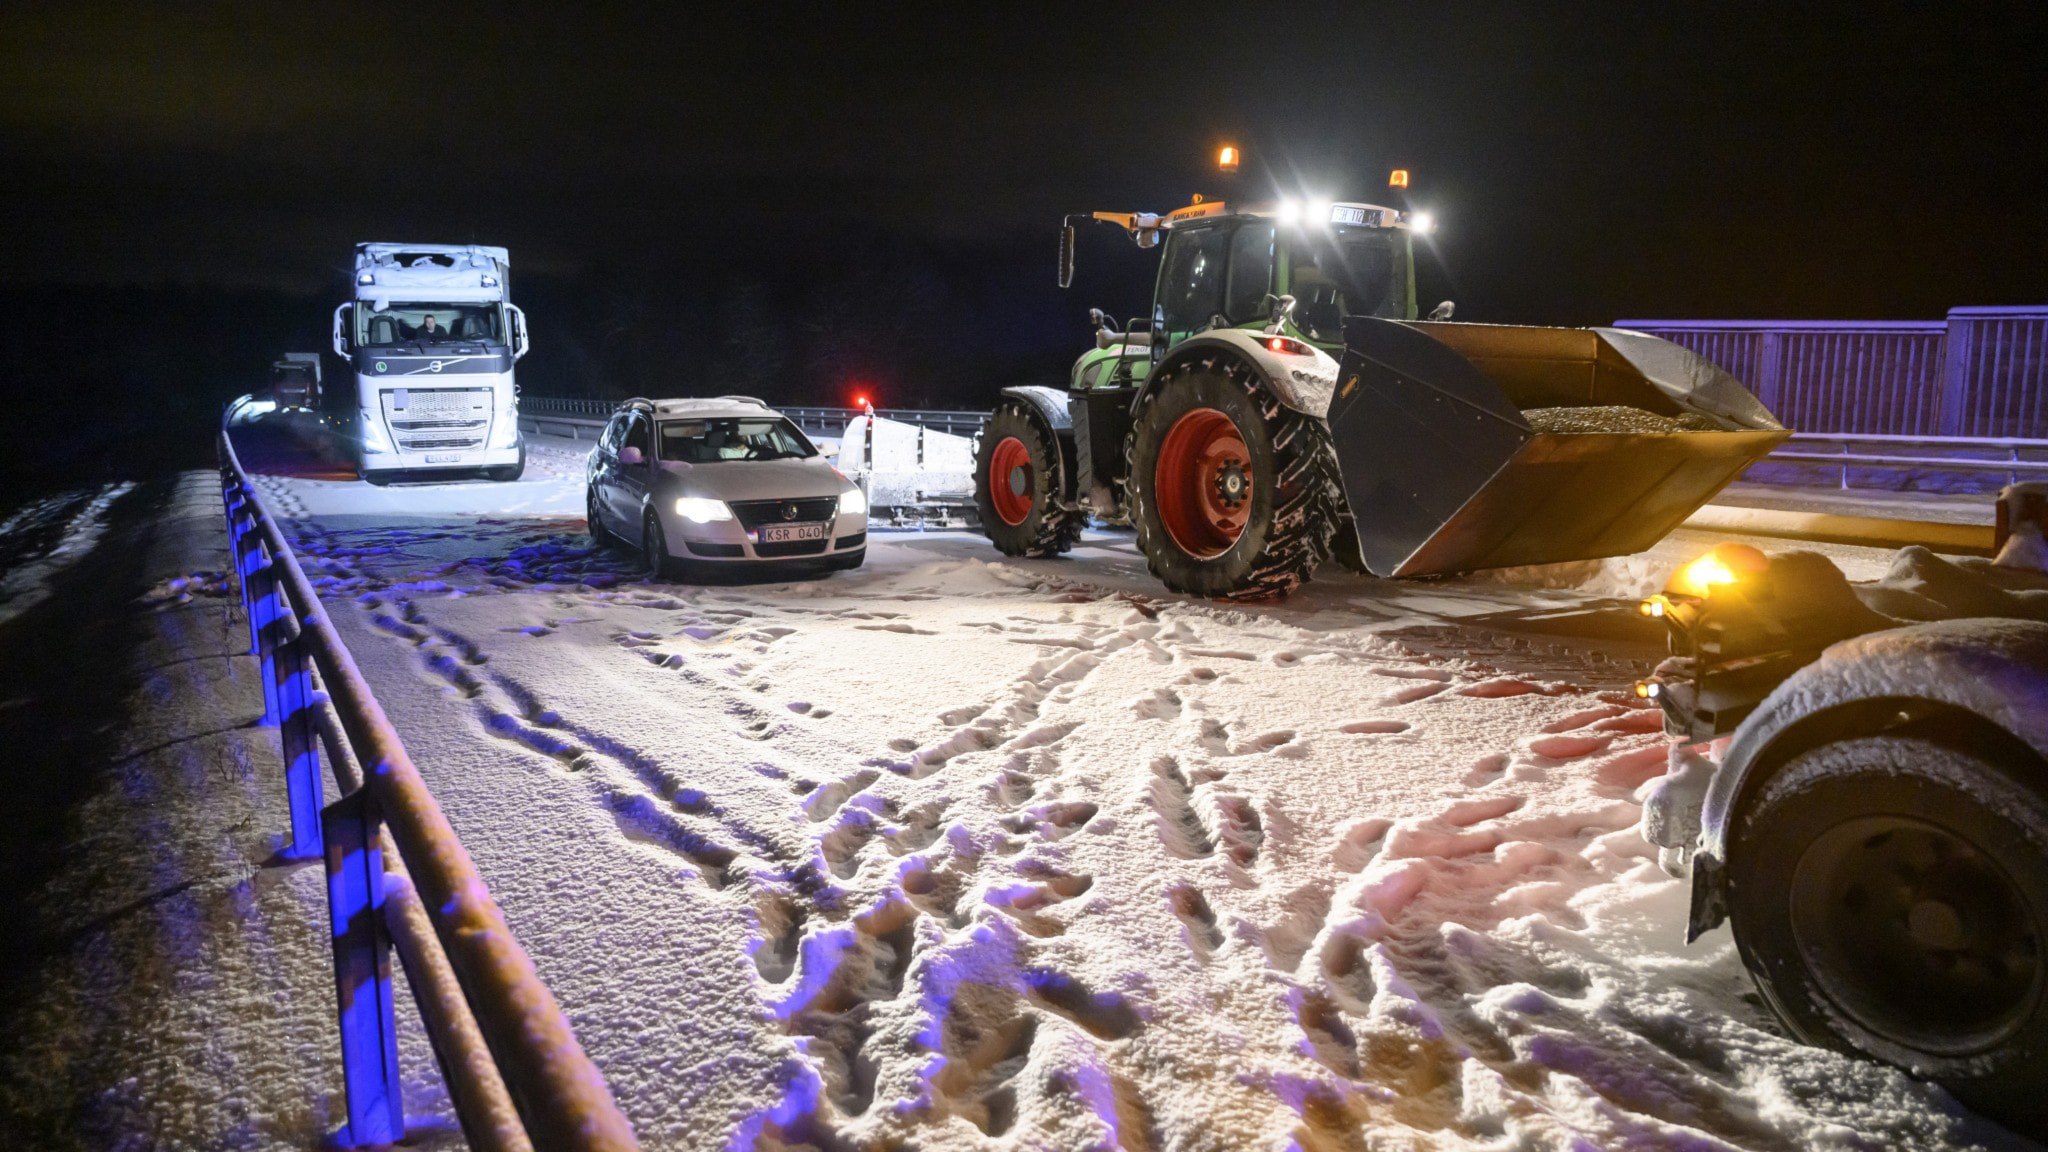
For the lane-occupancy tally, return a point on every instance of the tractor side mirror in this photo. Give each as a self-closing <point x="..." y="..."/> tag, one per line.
<point x="1106" y="332"/>
<point x="1279" y="308"/>
<point x="344" y="319"/>
<point x="1443" y="311"/>
<point x="1067" y="256"/>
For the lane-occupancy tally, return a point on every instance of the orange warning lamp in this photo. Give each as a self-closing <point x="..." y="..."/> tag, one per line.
<point x="1226" y="159"/>
<point x="1398" y="178"/>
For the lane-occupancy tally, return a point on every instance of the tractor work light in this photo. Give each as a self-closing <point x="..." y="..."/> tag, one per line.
<point x="1398" y="178"/>
<point x="1422" y="223"/>
<point x="1226" y="159"/>
<point x="702" y="509"/>
<point x="490" y="281"/>
<point x="365" y="278"/>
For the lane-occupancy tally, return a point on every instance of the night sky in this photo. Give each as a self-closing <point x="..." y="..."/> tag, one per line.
<point x="1584" y="164"/>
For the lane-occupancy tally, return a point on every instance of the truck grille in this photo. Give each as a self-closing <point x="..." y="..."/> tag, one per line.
<point x="753" y="514"/>
<point x="438" y="419"/>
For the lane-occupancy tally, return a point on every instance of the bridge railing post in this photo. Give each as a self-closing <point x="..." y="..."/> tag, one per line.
<point x="362" y="972"/>
<point x="297" y="731"/>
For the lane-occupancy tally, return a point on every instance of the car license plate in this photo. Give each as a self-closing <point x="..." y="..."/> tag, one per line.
<point x="786" y="533"/>
<point x="443" y="457"/>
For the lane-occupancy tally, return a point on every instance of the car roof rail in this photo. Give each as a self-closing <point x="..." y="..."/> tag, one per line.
<point x="756" y="402"/>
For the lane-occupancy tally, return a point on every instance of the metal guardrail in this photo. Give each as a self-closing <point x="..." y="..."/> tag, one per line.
<point x="398" y="878"/>
<point x="1902" y="455"/>
<point x="1978" y="372"/>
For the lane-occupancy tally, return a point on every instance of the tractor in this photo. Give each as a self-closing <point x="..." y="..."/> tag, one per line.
<point x="1283" y="404"/>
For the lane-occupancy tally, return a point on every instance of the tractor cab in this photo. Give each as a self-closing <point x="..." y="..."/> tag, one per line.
<point x="1231" y="267"/>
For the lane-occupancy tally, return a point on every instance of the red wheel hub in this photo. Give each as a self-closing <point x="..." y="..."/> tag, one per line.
<point x="1012" y="482"/>
<point x="1203" y="482"/>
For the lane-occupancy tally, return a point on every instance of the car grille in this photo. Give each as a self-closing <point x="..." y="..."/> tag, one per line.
<point x="723" y="551"/>
<point x="790" y="548"/>
<point x="753" y="514"/>
<point x="438" y="418"/>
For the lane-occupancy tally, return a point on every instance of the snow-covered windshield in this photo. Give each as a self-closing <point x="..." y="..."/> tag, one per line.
<point x="711" y="441"/>
<point x="1342" y="272"/>
<point x="429" y="324"/>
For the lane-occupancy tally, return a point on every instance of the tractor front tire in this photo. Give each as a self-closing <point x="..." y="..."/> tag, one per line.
<point x="1018" y="486"/>
<point x="1233" y="494"/>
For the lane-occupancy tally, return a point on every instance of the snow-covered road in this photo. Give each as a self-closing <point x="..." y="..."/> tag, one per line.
<point x="958" y="852"/>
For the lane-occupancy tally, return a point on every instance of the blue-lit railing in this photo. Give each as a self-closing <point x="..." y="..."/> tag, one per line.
<point x="399" y="879"/>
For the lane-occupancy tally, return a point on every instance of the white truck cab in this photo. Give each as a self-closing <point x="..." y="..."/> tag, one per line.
<point x="432" y="336"/>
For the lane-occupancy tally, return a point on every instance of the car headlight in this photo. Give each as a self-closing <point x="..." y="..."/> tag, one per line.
<point x="702" y="509"/>
<point x="853" y="502"/>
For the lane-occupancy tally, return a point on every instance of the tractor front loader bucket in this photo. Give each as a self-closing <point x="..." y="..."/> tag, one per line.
<point x="1468" y="446"/>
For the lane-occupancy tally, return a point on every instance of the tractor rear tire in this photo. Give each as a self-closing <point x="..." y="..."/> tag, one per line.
<point x="1018" y="486"/>
<point x="1889" y="894"/>
<point x="1248" y="496"/>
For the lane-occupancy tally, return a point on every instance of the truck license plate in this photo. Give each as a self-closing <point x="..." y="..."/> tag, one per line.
<point x="786" y="533"/>
<point x="443" y="457"/>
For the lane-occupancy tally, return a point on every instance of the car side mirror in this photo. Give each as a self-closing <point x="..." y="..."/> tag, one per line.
<point x="631" y="456"/>
<point x="1066" y="256"/>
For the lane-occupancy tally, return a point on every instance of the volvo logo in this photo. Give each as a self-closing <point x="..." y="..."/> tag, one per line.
<point x="789" y="511"/>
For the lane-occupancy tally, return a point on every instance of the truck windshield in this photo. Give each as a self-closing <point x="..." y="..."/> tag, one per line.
<point x="1341" y="272"/>
<point x="713" y="441"/>
<point x="428" y="324"/>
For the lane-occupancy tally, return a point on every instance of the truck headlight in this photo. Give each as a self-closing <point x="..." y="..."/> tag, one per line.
<point x="375" y="439"/>
<point x="505" y="429"/>
<point x="702" y="509"/>
<point x="853" y="502"/>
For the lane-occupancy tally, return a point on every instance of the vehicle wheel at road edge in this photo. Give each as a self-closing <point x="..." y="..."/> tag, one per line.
<point x="507" y="472"/>
<point x="1889" y="894"/>
<point x="1232" y="493"/>
<point x="1017" y="486"/>
<point x="599" y="536"/>
<point x="654" y="547"/>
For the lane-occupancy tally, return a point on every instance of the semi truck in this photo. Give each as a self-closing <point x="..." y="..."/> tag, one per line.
<point x="1859" y="790"/>
<point x="431" y="335"/>
<point x="1282" y="404"/>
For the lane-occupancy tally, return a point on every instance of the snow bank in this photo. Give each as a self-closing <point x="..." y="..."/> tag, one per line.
<point x="41" y="539"/>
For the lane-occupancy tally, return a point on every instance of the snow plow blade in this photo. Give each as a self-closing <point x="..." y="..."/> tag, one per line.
<point x="1466" y="446"/>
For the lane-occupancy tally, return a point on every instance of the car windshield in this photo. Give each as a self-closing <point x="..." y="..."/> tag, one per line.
<point x="1341" y="272"/>
<point x="428" y="324"/>
<point x="735" y="438"/>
